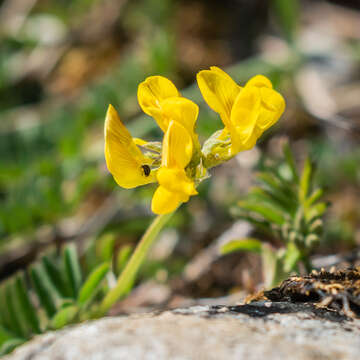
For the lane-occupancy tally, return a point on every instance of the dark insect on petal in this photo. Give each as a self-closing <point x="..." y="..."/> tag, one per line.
<point x="146" y="169"/>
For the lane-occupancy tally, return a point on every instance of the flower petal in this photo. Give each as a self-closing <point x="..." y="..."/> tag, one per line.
<point x="219" y="91"/>
<point x="244" y="117"/>
<point x="221" y="72"/>
<point x="139" y="142"/>
<point x="272" y="107"/>
<point x="177" y="146"/>
<point x="164" y="201"/>
<point x="123" y="158"/>
<point x="151" y="92"/>
<point x="181" y="110"/>
<point x="259" y="81"/>
<point x="176" y="181"/>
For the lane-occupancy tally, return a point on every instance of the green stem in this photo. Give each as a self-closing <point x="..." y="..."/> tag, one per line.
<point x="128" y="275"/>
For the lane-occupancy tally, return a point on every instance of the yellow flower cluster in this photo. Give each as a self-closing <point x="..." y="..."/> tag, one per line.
<point x="178" y="164"/>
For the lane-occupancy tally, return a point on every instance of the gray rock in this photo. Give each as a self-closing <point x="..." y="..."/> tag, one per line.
<point x="261" y="330"/>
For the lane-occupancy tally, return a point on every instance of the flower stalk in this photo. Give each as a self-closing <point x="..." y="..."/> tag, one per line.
<point x="128" y="275"/>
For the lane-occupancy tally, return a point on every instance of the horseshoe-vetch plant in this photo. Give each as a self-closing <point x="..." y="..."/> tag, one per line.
<point x="55" y="292"/>
<point x="179" y="163"/>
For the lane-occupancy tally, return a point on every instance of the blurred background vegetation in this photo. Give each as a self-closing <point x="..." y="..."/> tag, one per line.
<point x="63" y="62"/>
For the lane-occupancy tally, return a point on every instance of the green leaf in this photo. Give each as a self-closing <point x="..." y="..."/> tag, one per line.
<point x="92" y="284"/>
<point x="5" y="335"/>
<point x="278" y="188"/>
<point x="305" y="181"/>
<point x="246" y="244"/>
<point x="105" y="247"/>
<point x="10" y="299"/>
<point x="27" y="310"/>
<point x="289" y="157"/>
<point x="72" y="269"/>
<point x="266" y="211"/>
<point x="311" y="240"/>
<point x="64" y="317"/>
<point x="261" y="195"/>
<point x="123" y="257"/>
<point x="273" y="266"/>
<point x="5" y="315"/>
<point x="315" y="196"/>
<point x="269" y="265"/>
<point x="291" y="257"/>
<point x="287" y="12"/>
<point x="10" y="345"/>
<point x="316" y="226"/>
<point x="262" y="225"/>
<point x="47" y="293"/>
<point x="316" y="211"/>
<point x="56" y="276"/>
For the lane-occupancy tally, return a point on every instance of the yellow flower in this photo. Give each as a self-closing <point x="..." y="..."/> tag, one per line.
<point x="246" y="112"/>
<point x="124" y="159"/>
<point x="159" y="98"/>
<point x="175" y="186"/>
<point x="179" y="162"/>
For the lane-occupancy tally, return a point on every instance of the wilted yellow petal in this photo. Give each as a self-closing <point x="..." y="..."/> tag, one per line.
<point x="175" y="180"/>
<point x="164" y="201"/>
<point x="181" y="110"/>
<point x="177" y="146"/>
<point x="219" y="91"/>
<point x="150" y="94"/>
<point x="125" y="161"/>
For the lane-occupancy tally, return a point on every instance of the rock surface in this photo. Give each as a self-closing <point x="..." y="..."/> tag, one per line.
<point x="261" y="330"/>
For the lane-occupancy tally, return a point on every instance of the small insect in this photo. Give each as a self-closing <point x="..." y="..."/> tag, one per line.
<point x="146" y="169"/>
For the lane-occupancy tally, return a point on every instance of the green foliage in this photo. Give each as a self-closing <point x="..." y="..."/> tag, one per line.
<point x="287" y="206"/>
<point x="58" y="286"/>
<point x="47" y="168"/>
<point x="247" y="244"/>
<point x="287" y="13"/>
